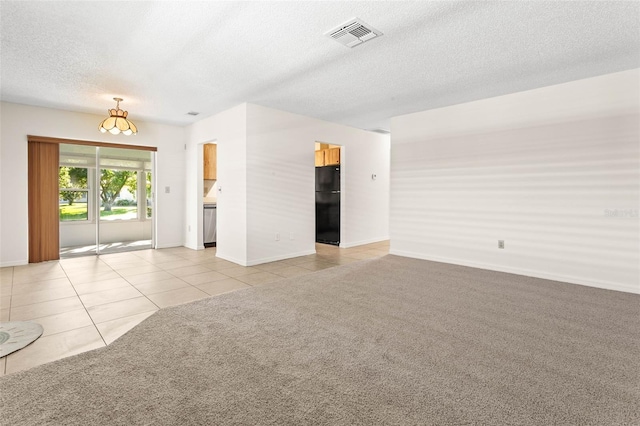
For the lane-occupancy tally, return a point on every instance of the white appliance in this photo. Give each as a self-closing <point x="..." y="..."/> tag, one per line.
<point x="209" y="218"/>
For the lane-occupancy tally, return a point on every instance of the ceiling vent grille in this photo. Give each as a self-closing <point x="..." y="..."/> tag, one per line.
<point x="353" y="32"/>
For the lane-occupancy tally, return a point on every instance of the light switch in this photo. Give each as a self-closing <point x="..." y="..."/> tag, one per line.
<point x="167" y="189"/>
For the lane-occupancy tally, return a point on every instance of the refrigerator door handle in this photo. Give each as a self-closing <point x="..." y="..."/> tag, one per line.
<point x="335" y="192"/>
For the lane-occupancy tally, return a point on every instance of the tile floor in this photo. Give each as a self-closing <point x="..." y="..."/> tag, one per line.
<point x="87" y="302"/>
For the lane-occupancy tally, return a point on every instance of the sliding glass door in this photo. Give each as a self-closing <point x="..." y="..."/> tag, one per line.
<point x="124" y="183"/>
<point x="106" y="202"/>
<point x="77" y="200"/>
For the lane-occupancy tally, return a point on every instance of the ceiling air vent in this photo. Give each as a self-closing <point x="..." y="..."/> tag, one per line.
<point x="353" y="33"/>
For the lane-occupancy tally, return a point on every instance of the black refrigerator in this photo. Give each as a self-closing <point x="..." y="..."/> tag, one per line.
<point x="328" y="205"/>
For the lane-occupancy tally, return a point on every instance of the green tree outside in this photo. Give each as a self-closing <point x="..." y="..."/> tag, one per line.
<point x="112" y="182"/>
<point x="71" y="177"/>
<point x="134" y="188"/>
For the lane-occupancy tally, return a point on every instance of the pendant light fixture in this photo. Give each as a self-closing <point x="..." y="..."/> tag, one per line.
<point x="117" y="122"/>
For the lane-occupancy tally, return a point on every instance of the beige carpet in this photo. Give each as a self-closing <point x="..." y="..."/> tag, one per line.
<point x="388" y="341"/>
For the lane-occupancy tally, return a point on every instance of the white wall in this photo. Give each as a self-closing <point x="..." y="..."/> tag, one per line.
<point x="229" y="131"/>
<point x="545" y="170"/>
<point x="18" y="121"/>
<point x="266" y="172"/>
<point x="281" y="182"/>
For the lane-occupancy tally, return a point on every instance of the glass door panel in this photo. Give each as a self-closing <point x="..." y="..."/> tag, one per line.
<point x="124" y="223"/>
<point x="77" y="200"/>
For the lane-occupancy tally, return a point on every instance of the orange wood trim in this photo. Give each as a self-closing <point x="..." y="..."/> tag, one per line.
<point x="46" y="139"/>
<point x="44" y="228"/>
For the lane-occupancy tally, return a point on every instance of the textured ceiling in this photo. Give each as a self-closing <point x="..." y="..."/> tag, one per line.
<point x="168" y="58"/>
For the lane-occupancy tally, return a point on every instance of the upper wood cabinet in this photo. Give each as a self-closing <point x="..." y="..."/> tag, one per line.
<point x="332" y="157"/>
<point x="328" y="157"/>
<point x="210" y="161"/>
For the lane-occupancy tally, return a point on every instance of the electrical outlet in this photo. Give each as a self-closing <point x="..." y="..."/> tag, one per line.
<point x="277" y="236"/>
<point x="189" y="228"/>
<point x="291" y="235"/>
<point x="500" y="244"/>
<point x="167" y="189"/>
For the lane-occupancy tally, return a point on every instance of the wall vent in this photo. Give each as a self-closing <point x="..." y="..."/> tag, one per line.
<point x="353" y="33"/>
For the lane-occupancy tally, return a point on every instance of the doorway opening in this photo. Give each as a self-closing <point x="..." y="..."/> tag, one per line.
<point x="328" y="193"/>
<point x="105" y="200"/>
<point x="210" y="195"/>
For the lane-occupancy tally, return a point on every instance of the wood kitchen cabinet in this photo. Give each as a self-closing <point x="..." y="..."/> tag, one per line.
<point x="332" y="157"/>
<point x="328" y="157"/>
<point x="210" y="161"/>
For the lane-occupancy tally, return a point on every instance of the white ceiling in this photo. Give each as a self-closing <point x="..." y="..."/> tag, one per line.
<point x="167" y="58"/>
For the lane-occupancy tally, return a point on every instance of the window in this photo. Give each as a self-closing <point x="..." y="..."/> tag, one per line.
<point x="74" y="194"/>
<point x="118" y="194"/>
<point x="123" y="179"/>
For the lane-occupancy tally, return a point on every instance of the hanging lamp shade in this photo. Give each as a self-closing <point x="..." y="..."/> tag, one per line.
<point x="117" y="121"/>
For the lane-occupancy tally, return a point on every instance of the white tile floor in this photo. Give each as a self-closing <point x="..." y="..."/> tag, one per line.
<point x="87" y="302"/>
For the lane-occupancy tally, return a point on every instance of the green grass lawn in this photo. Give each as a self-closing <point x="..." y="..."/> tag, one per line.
<point x="78" y="211"/>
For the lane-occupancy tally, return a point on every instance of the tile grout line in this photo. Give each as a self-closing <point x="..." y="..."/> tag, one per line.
<point x="162" y="270"/>
<point x="10" y="309"/>
<point x="83" y="305"/>
<point x="168" y="271"/>
<point x="124" y="278"/>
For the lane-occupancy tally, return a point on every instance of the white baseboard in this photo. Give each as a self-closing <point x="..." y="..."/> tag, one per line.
<point x="169" y="245"/>
<point x="231" y="259"/>
<point x="9" y="263"/>
<point x="265" y="259"/>
<point x="281" y="257"/>
<point x="189" y="246"/>
<point x="526" y="272"/>
<point x="363" y="242"/>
